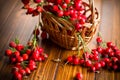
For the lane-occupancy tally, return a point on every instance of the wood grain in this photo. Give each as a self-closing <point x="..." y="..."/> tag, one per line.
<point x="14" y="23"/>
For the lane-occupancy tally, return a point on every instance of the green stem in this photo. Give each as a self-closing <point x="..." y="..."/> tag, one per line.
<point x="23" y="64"/>
<point x="81" y="41"/>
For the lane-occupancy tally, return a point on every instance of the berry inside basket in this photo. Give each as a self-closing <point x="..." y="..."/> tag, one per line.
<point x="69" y="23"/>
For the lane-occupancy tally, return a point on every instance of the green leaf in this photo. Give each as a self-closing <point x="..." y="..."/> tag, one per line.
<point x="17" y="41"/>
<point x="41" y="4"/>
<point x="24" y="50"/>
<point x="13" y="49"/>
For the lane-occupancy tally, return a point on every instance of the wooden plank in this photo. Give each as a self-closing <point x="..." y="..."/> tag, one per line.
<point x="110" y="32"/>
<point x="17" y="25"/>
<point x="5" y="10"/>
<point x="116" y="32"/>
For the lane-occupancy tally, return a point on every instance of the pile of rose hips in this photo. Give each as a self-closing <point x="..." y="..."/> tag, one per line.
<point x="106" y="56"/>
<point x="25" y="58"/>
<point x="72" y="10"/>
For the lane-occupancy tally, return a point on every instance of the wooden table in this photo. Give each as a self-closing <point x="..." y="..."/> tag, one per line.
<point x="14" y="23"/>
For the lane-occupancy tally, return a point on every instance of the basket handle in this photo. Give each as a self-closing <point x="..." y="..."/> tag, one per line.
<point x="91" y="2"/>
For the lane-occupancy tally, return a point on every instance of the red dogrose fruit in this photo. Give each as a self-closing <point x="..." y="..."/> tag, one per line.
<point x="79" y="76"/>
<point x="37" y="1"/>
<point x="99" y="40"/>
<point x="25" y="1"/>
<point x="12" y="44"/>
<point x="8" y="52"/>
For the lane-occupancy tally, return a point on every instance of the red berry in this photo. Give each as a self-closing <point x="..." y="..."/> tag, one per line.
<point x="92" y="68"/>
<point x="58" y="1"/>
<point x="108" y="50"/>
<point x="78" y="26"/>
<point x="18" y="75"/>
<point x="82" y="21"/>
<point x="44" y="35"/>
<point x="73" y="19"/>
<point x="76" y="61"/>
<point x="66" y="13"/>
<point x="81" y="61"/>
<point x="91" y="56"/>
<point x="37" y="1"/>
<point x="115" y="67"/>
<point x="26" y="6"/>
<point x="95" y="52"/>
<point x="35" y="55"/>
<point x="35" y="13"/>
<point x="16" y="53"/>
<point x="114" y="48"/>
<point x="19" y="59"/>
<point x="22" y="71"/>
<point x="110" y="64"/>
<point x="32" y="62"/>
<point x="60" y="13"/>
<point x="77" y="5"/>
<point x="111" y="54"/>
<point x="32" y="67"/>
<point x="19" y="47"/>
<point x="97" y="65"/>
<point x="99" y="40"/>
<point x="96" y="57"/>
<point x="64" y="6"/>
<point x="12" y="59"/>
<point x="117" y="53"/>
<point x="12" y="44"/>
<point x="8" y="52"/>
<point x="36" y="32"/>
<point x="55" y="8"/>
<point x="28" y="51"/>
<point x="67" y="1"/>
<point x="25" y="1"/>
<point x="109" y="44"/>
<point x="114" y="59"/>
<point x="86" y="55"/>
<point x="79" y="76"/>
<point x="39" y="9"/>
<point x="70" y="59"/>
<point x="99" y="49"/>
<point x="25" y="56"/>
<point x="107" y="60"/>
<point x="102" y="63"/>
<point x="30" y="11"/>
<point x="88" y="63"/>
<point x="52" y="1"/>
<point x="39" y="58"/>
<point x="73" y="15"/>
<point x="18" y="65"/>
<point x="40" y="50"/>
<point x="28" y="71"/>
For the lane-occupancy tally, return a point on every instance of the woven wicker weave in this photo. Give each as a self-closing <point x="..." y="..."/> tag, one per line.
<point x="57" y="28"/>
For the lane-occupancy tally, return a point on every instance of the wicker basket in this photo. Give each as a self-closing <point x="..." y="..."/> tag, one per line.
<point x="57" y="28"/>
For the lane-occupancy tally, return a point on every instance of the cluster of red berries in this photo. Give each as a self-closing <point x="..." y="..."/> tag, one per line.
<point x="30" y="10"/>
<point x="24" y="58"/>
<point x="72" y="10"/>
<point x="107" y="57"/>
<point x="68" y="9"/>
